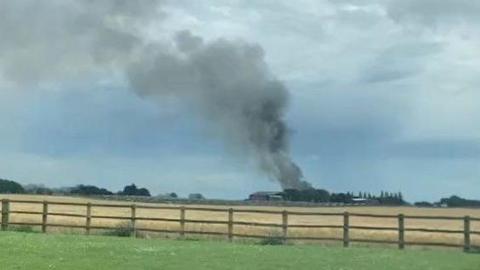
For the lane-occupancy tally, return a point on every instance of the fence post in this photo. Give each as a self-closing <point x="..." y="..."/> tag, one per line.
<point x="89" y="218"/>
<point x="401" y="231"/>
<point x="133" y="219"/>
<point x="182" y="221"/>
<point x="466" y="232"/>
<point x="5" y="212"/>
<point x="285" y="225"/>
<point x="230" y="224"/>
<point x="44" y="216"/>
<point x="346" y="226"/>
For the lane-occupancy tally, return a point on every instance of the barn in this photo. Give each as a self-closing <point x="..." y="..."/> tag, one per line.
<point x="266" y="196"/>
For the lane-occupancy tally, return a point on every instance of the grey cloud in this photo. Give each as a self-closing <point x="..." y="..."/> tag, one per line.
<point x="57" y="40"/>
<point x="400" y="61"/>
<point x="433" y="12"/>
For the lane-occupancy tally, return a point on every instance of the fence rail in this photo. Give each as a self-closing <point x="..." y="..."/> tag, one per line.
<point x="346" y="227"/>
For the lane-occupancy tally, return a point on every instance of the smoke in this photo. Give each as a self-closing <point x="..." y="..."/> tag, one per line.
<point x="226" y="82"/>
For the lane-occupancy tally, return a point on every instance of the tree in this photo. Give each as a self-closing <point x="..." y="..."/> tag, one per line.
<point x="90" y="190"/>
<point x="8" y="186"/>
<point x="132" y="190"/>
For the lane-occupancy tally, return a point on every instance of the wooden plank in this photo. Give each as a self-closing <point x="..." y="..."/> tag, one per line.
<point x="104" y="205"/>
<point x="182" y="221"/>
<point x="248" y="223"/>
<point x="466" y="235"/>
<point x="372" y="215"/>
<point x="432" y="244"/>
<point x="339" y="239"/>
<point x="434" y="217"/>
<point x="243" y="235"/>
<point x="434" y="230"/>
<point x="67" y="203"/>
<point x="206" y="209"/>
<point x="372" y="228"/>
<point x="114" y="217"/>
<point x="296" y="213"/>
<point x="230" y="224"/>
<point x="26" y="223"/>
<point x="44" y="216"/>
<point x="66" y="225"/>
<point x="178" y="231"/>
<point x="133" y="210"/>
<point x="26" y="212"/>
<point x="346" y="225"/>
<point x="401" y="231"/>
<point x="375" y="241"/>
<point x="158" y="207"/>
<point x="315" y="226"/>
<point x="66" y="215"/>
<point x="88" y="220"/>
<point x="221" y="222"/>
<point x="159" y="219"/>
<point x="258" y="211"/>
<point x="26" y="201"/>
<point x="284" y="225"/>
<point x="5" y="214"/>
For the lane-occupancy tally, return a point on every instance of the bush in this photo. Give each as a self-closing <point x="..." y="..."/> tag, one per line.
<point x="272" y="240"/>
<point x="21" y="228"/>
<point x="122" y="230"/>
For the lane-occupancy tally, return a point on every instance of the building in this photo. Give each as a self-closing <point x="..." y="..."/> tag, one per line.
<point x="363" y="201"/>
<point x="266" y="196"/>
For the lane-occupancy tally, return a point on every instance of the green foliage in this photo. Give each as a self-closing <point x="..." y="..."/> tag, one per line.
<point x="122" y="230"/>
<point x="22" y="228"/>
<point x="456" y="201"/>
<point x="89" y="190"/>
<point x="423" y="204"/>
<point x="11" y="187"/>
<point x="132" y="190"/>
<point x="272" y="240"/>
<point x="308" y="195"/>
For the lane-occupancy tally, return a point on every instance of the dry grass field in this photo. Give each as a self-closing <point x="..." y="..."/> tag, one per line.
<point x="265" y="218"/>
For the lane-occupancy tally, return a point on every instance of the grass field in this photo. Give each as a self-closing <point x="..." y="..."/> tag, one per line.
<point x="54" y="251"/>
<point x="267" y="218"/>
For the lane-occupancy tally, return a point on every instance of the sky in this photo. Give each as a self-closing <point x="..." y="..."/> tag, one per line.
<point x="383" y="94"/>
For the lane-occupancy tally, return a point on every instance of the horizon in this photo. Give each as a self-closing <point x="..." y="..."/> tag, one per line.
<point x="227" y="98"/>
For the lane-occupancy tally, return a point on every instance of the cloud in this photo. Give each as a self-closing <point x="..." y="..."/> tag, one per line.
<point x="435" y="13"/>
<point x="63" y="40"/>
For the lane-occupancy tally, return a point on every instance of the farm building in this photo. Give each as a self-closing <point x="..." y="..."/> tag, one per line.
<point x="266" y="196"/>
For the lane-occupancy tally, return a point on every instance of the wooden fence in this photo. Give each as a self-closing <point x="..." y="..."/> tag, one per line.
<point x="230" y="223"/>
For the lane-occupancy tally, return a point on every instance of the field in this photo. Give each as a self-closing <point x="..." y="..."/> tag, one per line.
<point x="265" y="218"/>
<point x="55" y="251"/>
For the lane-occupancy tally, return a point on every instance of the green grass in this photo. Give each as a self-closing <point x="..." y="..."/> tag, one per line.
<point x="39" y="251"/>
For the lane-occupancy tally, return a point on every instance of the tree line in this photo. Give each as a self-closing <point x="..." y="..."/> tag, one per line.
<point x="12" y="187"/>
<point x="452" y="201"/>
<point x="323" y="196"/>
<point x="309" y="195"/>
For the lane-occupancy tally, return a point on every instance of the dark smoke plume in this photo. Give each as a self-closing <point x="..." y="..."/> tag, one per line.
<point x="227" y="82"/>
